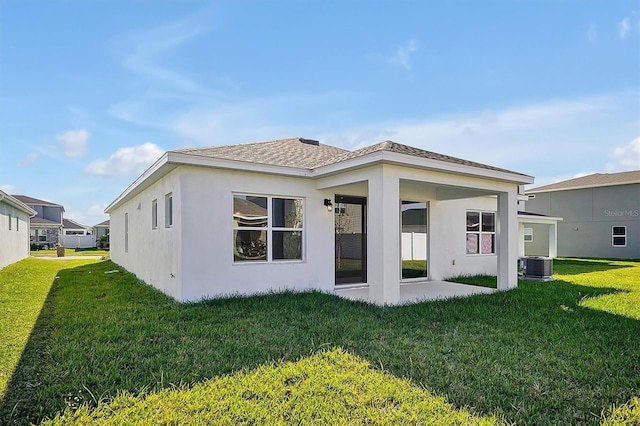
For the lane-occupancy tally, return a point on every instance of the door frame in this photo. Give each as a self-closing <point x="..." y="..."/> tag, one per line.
<point x="362" y="202"/>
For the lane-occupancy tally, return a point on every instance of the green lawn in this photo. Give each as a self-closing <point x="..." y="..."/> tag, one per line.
<point x="562" y="352"/>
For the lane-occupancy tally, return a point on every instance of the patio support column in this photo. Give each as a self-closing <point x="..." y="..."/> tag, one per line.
<point x="383" y="237"/>
<point x="507" y="244"/>
<point x="521" y="239"/>
<point x="553" y="240"/>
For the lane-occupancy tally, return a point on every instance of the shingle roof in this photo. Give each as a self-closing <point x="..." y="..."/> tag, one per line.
<point x="105" y="223"/>
<point x="30" y="201"/>
<point x="41" y="221"/>
<point x="72" y="224"/>
<point x="309" y="154"/>
<point x="596" y="179"/>
<point x="399" y="148"/>
<point x="294" y="152"/>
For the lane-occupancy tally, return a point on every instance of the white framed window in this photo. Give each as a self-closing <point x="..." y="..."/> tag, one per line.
<point x="619" y="236"/>
<point x="154" y="214"/>
<point x="267" y="228"/>
<point x="168" y="210"/>
<point x="17" y="223"/>
<point x="528" y="235"/>
<point x="481" y="232"/>
<point x="10" y="222"/>
<point x="126" y="232"/>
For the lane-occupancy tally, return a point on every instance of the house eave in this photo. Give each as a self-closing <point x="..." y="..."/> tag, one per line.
<point x="17" y="204"/>
<point x="219" y="163"/>
<point x="572" y="188"/>
<point x="418" y="162"/>
<point x="157" y="170"/>
<point x="538" y="219"/>
<point x="170" y="160"/>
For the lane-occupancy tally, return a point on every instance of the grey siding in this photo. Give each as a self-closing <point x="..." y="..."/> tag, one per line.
<point x="540" y="244"/>
<point x="588" y="217"/>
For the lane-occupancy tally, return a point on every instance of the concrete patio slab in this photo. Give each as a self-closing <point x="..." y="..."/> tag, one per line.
<point x="419" y="292"/>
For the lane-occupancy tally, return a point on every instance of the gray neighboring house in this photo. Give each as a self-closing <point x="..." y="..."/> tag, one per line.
<point x="14" y="229"/>
<point x="601" y="216"/>
<point x="101" y="229"/>
<point x="46" y="227"/>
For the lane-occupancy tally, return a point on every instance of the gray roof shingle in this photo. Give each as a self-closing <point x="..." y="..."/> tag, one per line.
<point x="596" y="179"/>
<point x="310" y="154"/>
<point x="30" y="201"/>
<point x="293" y="152"/>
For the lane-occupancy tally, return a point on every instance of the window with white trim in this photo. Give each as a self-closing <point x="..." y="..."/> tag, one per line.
<point x="481" y="232"/>
<point x="619" y="236"/>
<point x="126" y="232"/>
<point x="267" y="228"/>
<point x="10" y="222"/>
<point x="168" y="210"/>
<point x="154" y="214"/>
<point x="528" y="235"/>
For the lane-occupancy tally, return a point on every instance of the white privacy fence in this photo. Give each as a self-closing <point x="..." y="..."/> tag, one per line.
<point x="414" y="246"/>
<point x="78" y="241"/>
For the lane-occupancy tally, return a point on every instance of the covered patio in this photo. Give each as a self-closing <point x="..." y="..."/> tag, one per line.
<point x="417" y="292"/>
<point x="450" y="190"/>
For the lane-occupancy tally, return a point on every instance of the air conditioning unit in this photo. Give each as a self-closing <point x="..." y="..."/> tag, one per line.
<point x="537" y="268"/>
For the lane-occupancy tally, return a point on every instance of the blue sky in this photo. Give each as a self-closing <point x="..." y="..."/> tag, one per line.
<point x="92" y="92"/>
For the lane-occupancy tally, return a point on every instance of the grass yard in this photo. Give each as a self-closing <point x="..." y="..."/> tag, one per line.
<point x="564" y="352"/>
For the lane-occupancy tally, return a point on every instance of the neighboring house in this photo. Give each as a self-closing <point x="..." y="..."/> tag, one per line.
<point x="71" y="227"/>
<point x="15" y="217"/>
<point x="546" y="224"/>
<point x="601" y="216"/>
<point x="46" y="227"/>
<point x="76" y="235"/>
<point x="101" y="234"/>
<point x="296" y="214"/>
<point x="101" y="229"/>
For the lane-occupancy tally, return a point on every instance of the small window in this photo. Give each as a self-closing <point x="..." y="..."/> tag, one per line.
<point x="42" y="238"/>
<point x="619" y="236"/>
<point x="17" y="224"/>
<point x="10" y="222"/>
<point x="154" y="214"/>
<point x="126" y="232"/>
<point x="168" y="210"/>
<point x="528" y="235"/>
<point x="481" y="232"/>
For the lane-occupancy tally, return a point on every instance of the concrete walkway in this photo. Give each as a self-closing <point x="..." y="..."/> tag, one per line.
<point x="419" y="292"/>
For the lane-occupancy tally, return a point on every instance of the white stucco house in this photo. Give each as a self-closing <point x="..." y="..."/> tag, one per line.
<point x="15" y="217"/>
<point x="296" y="214"/>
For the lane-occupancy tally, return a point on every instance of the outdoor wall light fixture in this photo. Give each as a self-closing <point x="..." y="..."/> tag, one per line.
<point x="329" y="204"/>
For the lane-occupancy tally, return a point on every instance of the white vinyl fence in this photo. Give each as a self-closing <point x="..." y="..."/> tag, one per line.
<point x="78" y="241"/>
<point x="414" y="246"/>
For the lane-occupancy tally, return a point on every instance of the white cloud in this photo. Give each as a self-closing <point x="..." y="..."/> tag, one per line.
<point x="592" y="34"/>
<point x="126" y="162"/>
<point x="28" y="159"/>
<point x="73" y="143"/>
<point x="402" y="57"/>
<point x="97" y="209"/>
<point x="9" y="189"/>
<point x="623" y="28"/>
<point x="626" y="157"/>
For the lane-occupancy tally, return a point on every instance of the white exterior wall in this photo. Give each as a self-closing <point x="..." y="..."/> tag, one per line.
<point x="448" y="252"/>
<point x="14" y="242"/>
<point x="194" y="259"/>
<point x="154" y="254"/>
<point x="208" y="268"/>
